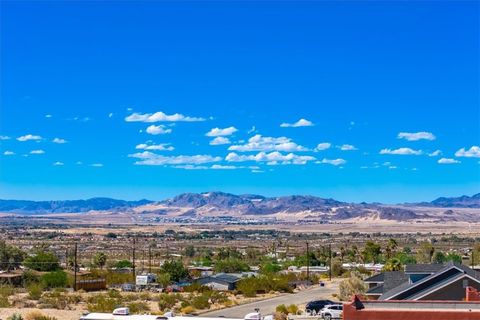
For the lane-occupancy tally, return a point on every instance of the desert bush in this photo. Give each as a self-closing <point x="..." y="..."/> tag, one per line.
<point x="15" y="316"/>
<point x="201" y="302"/>
<point x="280" y="316"/>
<point x="35" y="291"/>
<point x="351" y="286"/>
<point x="292" y="309"/>
<point x="55" y="279"/>
<point x="54" y="299"/>
<point x="138" y="307"/>
<point x="34" y="315"/>
<point x="187" y="310"/>
<point x="167" y="301"/>
<point x="103" y="303"/>
<point x="6" y="290"/>
<point x="282" y="309"/>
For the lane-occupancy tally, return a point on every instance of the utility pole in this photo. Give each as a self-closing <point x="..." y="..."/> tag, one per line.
<point x="330" y="261"/>
<point x="133" y="259"/>
<point x="75" y="269"/>
<point x="308" y="263"/>
<point x="149" y="259"/>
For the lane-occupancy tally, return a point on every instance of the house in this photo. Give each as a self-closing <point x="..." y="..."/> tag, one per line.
<point x="201" y="271"/>
<point x="311" y="270"/>
<point x="415" y="309"/>
<point x="424" y="282"/>
<point x="221" y="281"/>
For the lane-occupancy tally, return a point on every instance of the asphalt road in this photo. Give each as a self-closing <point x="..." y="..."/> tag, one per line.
<point x="268" y="306"/>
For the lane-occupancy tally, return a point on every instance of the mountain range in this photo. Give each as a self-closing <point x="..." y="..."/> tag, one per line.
<point x="220" y="203"/>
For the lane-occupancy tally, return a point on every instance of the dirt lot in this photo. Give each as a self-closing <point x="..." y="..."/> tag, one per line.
<point x="59" y="314"/>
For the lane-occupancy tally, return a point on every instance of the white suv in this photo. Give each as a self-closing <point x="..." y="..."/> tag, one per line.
<point x="332" y="311"/>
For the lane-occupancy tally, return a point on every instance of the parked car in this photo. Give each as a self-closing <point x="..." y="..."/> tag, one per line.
<point x="314" y="307"/>
<point x="128" y="287"/>
<point x="332" y="311"/>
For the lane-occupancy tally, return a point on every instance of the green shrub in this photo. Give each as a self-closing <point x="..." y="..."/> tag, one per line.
<point x="201" y="302"/>
<point x="138" y="307"/>
<point x="4" y="303"/>
<point x="35" y="291"/>
<point x="15" y="316"/>
<point x="167" y="301"/>
<point x="292" y="309"/>
<point x="55" y="279"/>
<point x="42" y="261"/>
<point x="282" y="309"/>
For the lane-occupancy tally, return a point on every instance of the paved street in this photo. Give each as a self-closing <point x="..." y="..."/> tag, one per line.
<point x="268" y="306"/>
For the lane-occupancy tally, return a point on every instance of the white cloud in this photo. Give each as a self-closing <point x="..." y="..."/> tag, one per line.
<point x="392" y="167"/>
<point x="4" y="138"/>
<point x="473" y="152"/>
<point x="79" y="163"/>
<point x="48" y="116"/>
<point x="156" y="130"/>
<point x="347" y="147"/>
<point x="447" y="161"/>
<point x="272" y="158"/>
<point x="435" y="153"/>
<point x="158" y="147"/>
<point x="37" y="152"/>
<point x="58" y="163"/>
<point x="153" y="159"/>
<point x="401" y="151"/>
<point x="160" y="117"/>
<point x="259" y="143"/>
<point x="28" y="137"/>
<point x="334" y="162"/>
<point x="414" y="136"/>
<point x="8" y="153"/>
<point x="59" y="140"/>
<point x="213" y="167"/>
<point x="300" y="123"/>
<point x="98" y="165"/>
<point x="323" y="146"/>
<point x="219" y="141"/>
<point x="110" y="114"/>
<point x="252" y="130"/>
<point x="218" y="132"/>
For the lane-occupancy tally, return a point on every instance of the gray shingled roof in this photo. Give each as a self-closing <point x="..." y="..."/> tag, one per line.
<point x="407" y="286"/>
<point x="424" y="268"/>
<point x="375" y="278"/>
<point x="376" y="290"/>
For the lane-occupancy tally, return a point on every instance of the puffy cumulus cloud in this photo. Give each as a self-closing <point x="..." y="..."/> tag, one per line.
<point x="4" y="138"/>
<point x="402" y="151"/>
<point x="8" y="153"/>
<point x="48" y="116"/>
<point x="333" y="162"/>
<point x="37" y="151"/>
<point x="473" y="152"/>
<point x="414" y="136"/>
<point x="156" y="130"/>
<point x="300" y="123"/>
<point x="158" y="147"/>
<point x="347" y="147"/>
<point x="214" y="167"/>
<point x="435" y="153"/>
<point x="58" y="163"/>
<point x="29" y="137"/>
<point x="272" y="158"/>
<point x="219" y="141"/>
<point x="260" y="143"/>
<point x="97" y="165"/>
<point x="59" y="140"/>
<point x="218" y="132"/>
<point x="153" y="159"/>
<point x="160" y="117"/>
<point x="323" y="146"/>
<point x="447" y="161"/>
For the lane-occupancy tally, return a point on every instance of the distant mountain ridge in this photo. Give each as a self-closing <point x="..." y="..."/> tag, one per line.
<point x="221" y="203"/>
<point x="67" y="206"/>
<point x="455" y="202"/>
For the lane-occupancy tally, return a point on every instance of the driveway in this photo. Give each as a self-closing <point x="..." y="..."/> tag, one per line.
<point x="268" y="306"/>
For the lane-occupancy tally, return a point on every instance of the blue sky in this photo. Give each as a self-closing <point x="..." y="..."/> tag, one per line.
<point x="388" y="93"/>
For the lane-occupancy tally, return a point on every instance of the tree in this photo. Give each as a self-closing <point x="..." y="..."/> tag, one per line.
<point x="393" y="264"/>
<point x="337" y="268"/>
<point x="231" y="265"/>
<point x="270" y="267"/>
<point x="438" y="257"/>
<point x="10" y="256"/>
<point x="164" y="279"/>
<point x="175" y="269"/>
<point x="190" y="251"/>
<point x="453" y="257"/>
<point x="391" y="247"/>
<point x="42" y="261"/>
<point x="123" y="264"/>
<point x="351" y="286"/>
<point x="425" y="252"/>
<point x="100" y="259"/>
<point x="371" y="252"/>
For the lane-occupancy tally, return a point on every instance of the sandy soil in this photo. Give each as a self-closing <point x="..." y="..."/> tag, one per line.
<point x="59" y="314"/>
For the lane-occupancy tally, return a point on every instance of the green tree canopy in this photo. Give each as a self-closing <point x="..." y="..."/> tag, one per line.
<point x="100" y="259"/>
<point x="175" y="269"/>
<point x="10" y="256"/>
<point x="42" y="261"/>
<point x="231" y="265"/>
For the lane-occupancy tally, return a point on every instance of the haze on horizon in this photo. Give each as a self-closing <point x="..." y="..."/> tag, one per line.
<point x="374" y="101"/>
